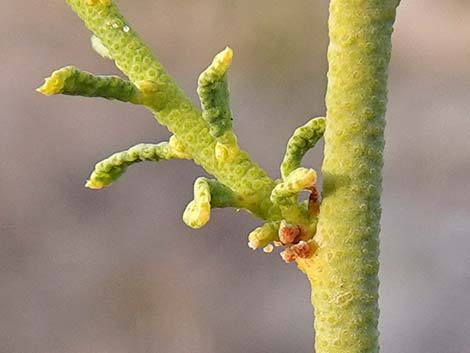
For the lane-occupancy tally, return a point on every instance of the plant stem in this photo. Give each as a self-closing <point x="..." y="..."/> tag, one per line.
<point x="172" y="107"/>
<point x="344" y="270"/>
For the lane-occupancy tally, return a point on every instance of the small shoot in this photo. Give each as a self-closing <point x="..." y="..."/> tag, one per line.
<point x="209" y="193"/>
<point x="72" y="81"/>
<point x="286" y="192"/>
<point x="262" y="236"/>
<point x="111" y="168"/>
<point x="215" y="101"/>
<point x="303" y="139"/>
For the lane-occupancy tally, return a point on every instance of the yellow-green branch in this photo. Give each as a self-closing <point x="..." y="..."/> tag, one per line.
<point x="74" y="82"/>
<point x="110" y="169"/>
<point x="171" y="106"/>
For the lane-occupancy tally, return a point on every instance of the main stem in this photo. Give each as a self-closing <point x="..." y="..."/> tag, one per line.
<point x="344" y="271"/>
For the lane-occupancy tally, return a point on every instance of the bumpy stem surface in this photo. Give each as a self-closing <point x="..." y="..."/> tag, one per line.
<point x="345" y="245"/>
<point x="172" y="107"/>
<point x="343" y="271"/>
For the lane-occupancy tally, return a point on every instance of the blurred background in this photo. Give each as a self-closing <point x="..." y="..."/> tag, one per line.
<point x="116" y="270"/>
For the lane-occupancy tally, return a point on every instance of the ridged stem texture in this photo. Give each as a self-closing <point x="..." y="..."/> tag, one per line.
<point x="344" y="270"/>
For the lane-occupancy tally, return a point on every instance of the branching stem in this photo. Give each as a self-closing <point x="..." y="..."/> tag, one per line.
<point x="340" y="256"/>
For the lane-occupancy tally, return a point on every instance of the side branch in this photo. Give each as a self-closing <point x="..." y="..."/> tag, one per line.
<point x="110" y="169"/>
<point x="75" y="82"/>
<point x="286" y="194"/>
<point x="215" y="101"/>
<point x="303" y="139"/>
<point x="262" y="236"/>
<point x="214" y="95"/>
<point x="209" y="193"/>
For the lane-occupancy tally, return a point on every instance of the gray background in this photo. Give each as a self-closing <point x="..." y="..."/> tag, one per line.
<point x="116" y="270"/>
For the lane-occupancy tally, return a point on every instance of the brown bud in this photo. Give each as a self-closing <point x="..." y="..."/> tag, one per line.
<point x="305" y="249"/>
<point x="288" y="255"/>
<point x="314" y="202"/>
<point x="288" y="233"/>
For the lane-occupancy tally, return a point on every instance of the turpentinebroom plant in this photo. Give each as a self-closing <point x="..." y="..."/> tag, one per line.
<point x="334" y="242"/>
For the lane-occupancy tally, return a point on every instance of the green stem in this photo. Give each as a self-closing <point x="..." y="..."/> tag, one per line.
<point x="343" y="271"/>
<point x="172" y="107"/>
<point x="74" y="82"/>
<point x="110" y="169"/>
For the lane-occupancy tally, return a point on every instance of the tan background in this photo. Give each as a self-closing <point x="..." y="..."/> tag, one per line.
<point x="117" y="271"/>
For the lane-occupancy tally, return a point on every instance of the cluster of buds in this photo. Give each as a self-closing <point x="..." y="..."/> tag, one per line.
<point x="296" y="239"/>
